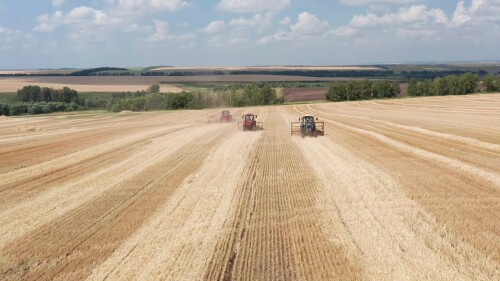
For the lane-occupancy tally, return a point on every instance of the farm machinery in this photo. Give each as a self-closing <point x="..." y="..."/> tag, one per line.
<point x="308" y="126"/>
<point x="249" y="123"/>
<point x="224" y="117"/>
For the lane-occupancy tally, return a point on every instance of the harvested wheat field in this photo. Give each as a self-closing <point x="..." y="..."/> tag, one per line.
<point x="86" y="83"/>
<point x="395" y="190"/>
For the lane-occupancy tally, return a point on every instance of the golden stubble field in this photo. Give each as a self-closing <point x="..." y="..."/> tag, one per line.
<point x="86" y="83"/>
<point x="395" y="190"/>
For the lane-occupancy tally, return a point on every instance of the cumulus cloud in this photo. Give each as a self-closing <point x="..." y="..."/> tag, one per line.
<point x="215" y="27"/>
<point x="258" y="22"/>
<point x="405" y="15"/>
<point x="161" y="32"/>
<point x="480" y="11"/>
<point x="78" y="16"/>
<point x="344" y="31"/>
<point x="8" y="36"/>
<point x="375" y="2"/>
<point x="57" y="3"/>
<point x="307" y="26"/>
<point x="285" y="21"/>
<point x="417" y="33"/>
<point x="252" y="6"/>
<point x="152" y="5"/>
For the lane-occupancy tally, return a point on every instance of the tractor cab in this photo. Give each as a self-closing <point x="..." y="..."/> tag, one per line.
<point x="249" y="123"/>
<point x="308" y="126"/>
<point x="225" y="116"/>
<point x="249" y="118"/>
<point x="308" y="122"/>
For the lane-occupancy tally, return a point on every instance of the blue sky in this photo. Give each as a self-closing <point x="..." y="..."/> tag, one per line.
<point x="77" y="33"/>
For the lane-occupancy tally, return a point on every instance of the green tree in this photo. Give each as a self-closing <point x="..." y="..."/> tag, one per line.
<point x="413" y="87"/>
<point x="29" y="93"/>
<point x="489" y="83"/>
<point x="155" y="88"/>
<point x="337" y="92"/>
<point x="436" y="87"/>
<point x="425" y="88"/>
<point x="4" y="109"/>
<point x="382" y="89"/>
<point x="453" y="84"/>
<point x="468" y="83"/>
<point x="47" y="94"/>
<point x="18" y="109"/>
<point x="35" y="109"/>
<point x="395" y="90"/>
<point x="352" y="90"/>
<point x="366" y="89"/>
<point x="69" y="95"/>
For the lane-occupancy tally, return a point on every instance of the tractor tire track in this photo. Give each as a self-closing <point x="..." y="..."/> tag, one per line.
<point x="69" y="247"/>
<point x="187" y="225"/>
<point x="272" y="233"/>
<point x="389" y="231"/>
<point x="31" y="186"/>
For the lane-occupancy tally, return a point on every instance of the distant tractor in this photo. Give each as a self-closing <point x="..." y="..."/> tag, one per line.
<point x="224" y="117"/>
<point x="249" y="123"/>
<point x="308" y="126"/>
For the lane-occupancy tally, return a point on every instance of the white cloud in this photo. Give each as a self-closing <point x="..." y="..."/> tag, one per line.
<point x="252" y="6"/>
<point x="480" y="11"/>
<point x="285" y="21"/>
<point x="258" y="22"/>
<point x="57" y="3"/>
<point x="80" y="16"/>
<point x="48" y="23"/>
<point x="151" y="6"/>
<point x="375" y="2"/>
<point x="224" y="41"/>
<point x="306" y="27"/>
<point x="406" y="15"/>
<point x="8" y="36"/>
<point x="344" y="31"/>
<point x="416" y="33"/>
<point x="134" y="27"/>
<point x="161" y="32"/>
<point x="215" y="27"/>
<point x="309" y="24"/>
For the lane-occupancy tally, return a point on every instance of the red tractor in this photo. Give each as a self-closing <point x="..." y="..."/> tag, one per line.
<point x="225" y="116"/>
<point x="249" y="123"/>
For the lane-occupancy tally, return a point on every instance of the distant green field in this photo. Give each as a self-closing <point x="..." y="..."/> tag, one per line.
<point x="492" y="68"/>
<point x="9" y="98"/>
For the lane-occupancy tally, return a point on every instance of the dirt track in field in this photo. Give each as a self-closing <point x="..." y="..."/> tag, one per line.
<point x="395" y="190"/>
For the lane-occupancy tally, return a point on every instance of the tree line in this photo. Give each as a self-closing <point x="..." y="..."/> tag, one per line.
<point x="38" y="100"/>
<point x="99" y="71"/>
<point x="450" y="85"/>
<point x="429" y="74"/>
<point x="242" y="95"/>
<point x="38" y="94"/>
<point x="306" y="73"/>
<point x="492" y="84"/>
<point x="37" y="108"/>
<point x="362" y="90"/>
